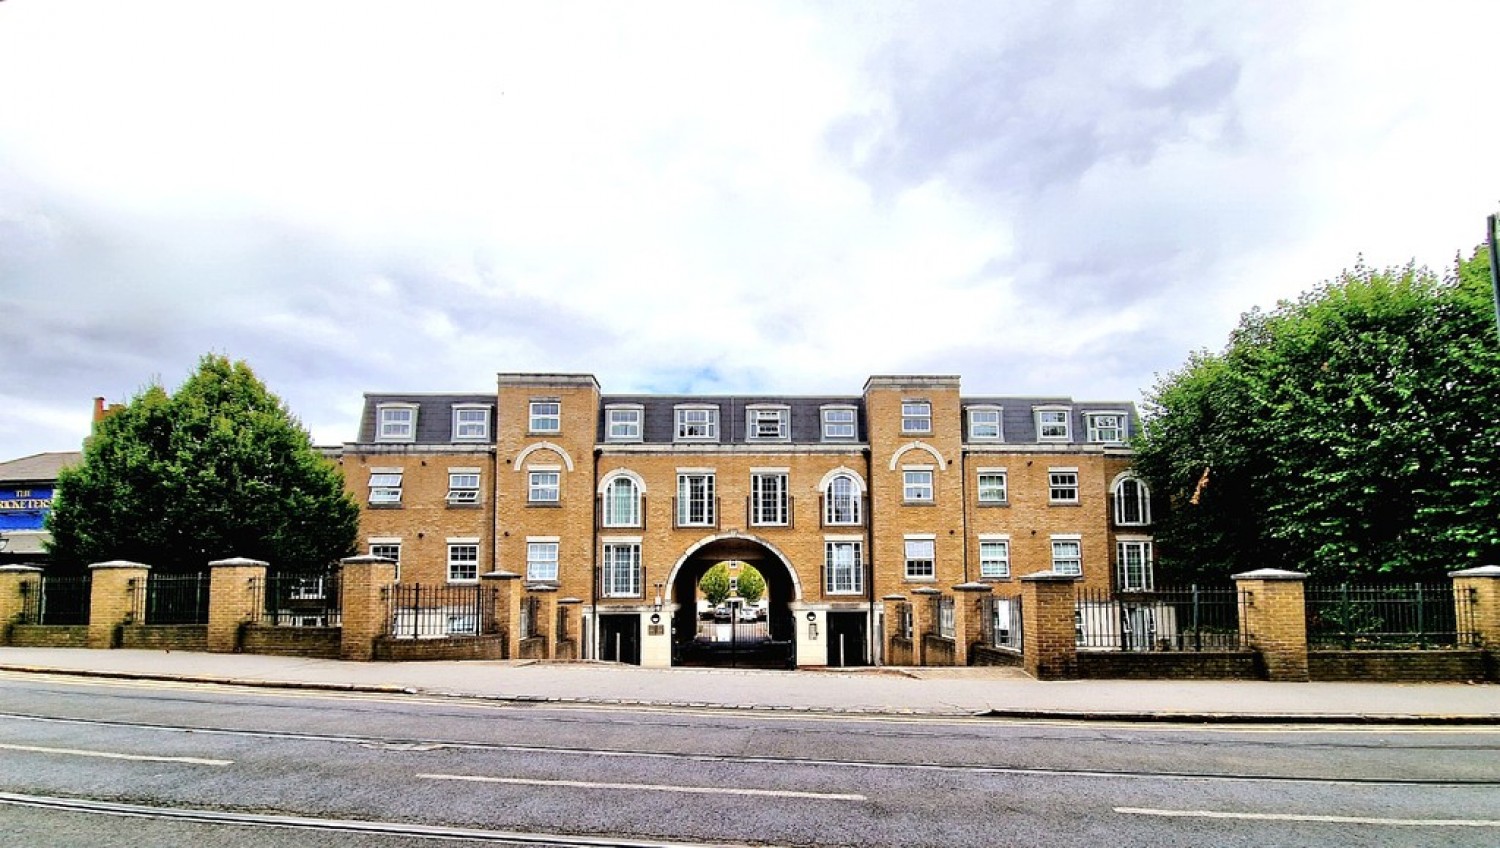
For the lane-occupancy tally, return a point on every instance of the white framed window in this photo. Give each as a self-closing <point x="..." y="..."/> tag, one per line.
<point x="1106" y="426"/>
<point x="1062" y="485"/>
<point x="768" y="498"/>
<point x="544" y="486"/>
<point x="396" y="422"/>
<point x="463" y="562"/>
<point x="993" y="486"/>
<point x="385" y="485"/>
<point x="622" y="423"/>
<point x="994" y="557"/>
<point x="1067" y="554"/>
<point x="843" y="567"/>
<point x="545" y="416"/>
<point x="541" y="560"/>
<point x="1132" y="502"/>
<point x="839" y="423"/>
<point x="697" y="423"/>
<point x="768" y="423"/>
<point x="463" y="486"/>
<point x="842" y="501"/>
<point x="622" y="570"/>
<point x="471" y="423"/>
<point x="916" y="485"/>
<point x="696" y="503"/>
<point x="622" y="503"/>
<point x="1133" y="569"/>
<point x="984" y="424"/>
<point x="916" y="416"/>
<point x="921" y="558"/>
<point x="389" y="549"/>
<point x="1054" y="423"/>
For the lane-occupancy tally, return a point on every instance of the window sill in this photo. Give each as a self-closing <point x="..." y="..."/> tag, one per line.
<point x="385" y="506"/>
<point x="465" y="505"/>
<point x="463" y="581"/>
<point x="919" y="579"/>
<point x="986" y="504"/>
<point x="919" y="503"/>
<point x="544" y="504"/>
<point x="1063" y="503"/>
<point x="984" y="579"/>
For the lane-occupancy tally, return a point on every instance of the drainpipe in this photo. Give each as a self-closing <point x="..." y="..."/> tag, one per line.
<point x="875" y="656"/>
<point x="963" y="500"/>
<point x="594" y="576"/>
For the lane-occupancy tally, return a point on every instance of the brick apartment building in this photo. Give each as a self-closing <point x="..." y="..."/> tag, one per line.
<point x="852" y="507"/>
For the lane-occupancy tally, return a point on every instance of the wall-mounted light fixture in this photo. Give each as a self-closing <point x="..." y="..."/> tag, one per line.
<point x="660" y="585"/>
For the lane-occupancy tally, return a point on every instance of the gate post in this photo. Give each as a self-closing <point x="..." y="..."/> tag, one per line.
<point x="1049" y="641"/>
<point x="364" y="595"/>
<point x="16" y="582"/>
<point x="231" y="600"/>
<point x="546" y="618"/>
<point x="1481" y="586"/>
<point x="117" y="586"/>
<point x="1275" y="620"/>
<point x="922" y="622"/>
<point x="507" y="611"/>
<point x="968" y="618"/>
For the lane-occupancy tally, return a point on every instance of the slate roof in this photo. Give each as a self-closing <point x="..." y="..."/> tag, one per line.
<point x="659" y="419"/>
<point x="41" y="467"/>
<point x="434" y="416"/>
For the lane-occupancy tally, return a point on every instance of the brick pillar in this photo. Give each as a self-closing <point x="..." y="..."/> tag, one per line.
<point x="968" y="618"/>
<point x="505" y="585"/>
<point x="891" y="623"/>
<point x="112" y="599"/>
<point x="569" y="607"/>
<point x="17" y="583"/>
<point x="1275" y="620"/>
<point x="1049" y="646"/>
<point x="1480" y="587"/>
<point x="922" y="622"/>
<point x="364" y="596"/>
<point x="546" y="617"/>
<point x="236" y="587"/>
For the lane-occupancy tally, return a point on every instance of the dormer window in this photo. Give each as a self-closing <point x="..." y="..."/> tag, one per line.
<point x="839" y="423"/>
<point x="1054" y="423"/>
<point x="1106" y="426"/>
<point x="768" y="423"/>
<point x="697" y="423"/>
<point x="396" y="422"/>
<point x="471" y="423"/>
<point x="984" y="424"/>
<point x="622" y="423"/>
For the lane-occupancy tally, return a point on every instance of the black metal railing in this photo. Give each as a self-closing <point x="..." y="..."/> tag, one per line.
<point x="1404" y="615"/>
<point x="531" y="608"/>
<point x="1002" y="621"/>
<point x="442" y="611"/>
<point x="298" y="600"/>
<point x="173" y="599"/>
<point x="1191" y="618"/>
<point x="945" y="620"/>
<point x="56" y="599"/>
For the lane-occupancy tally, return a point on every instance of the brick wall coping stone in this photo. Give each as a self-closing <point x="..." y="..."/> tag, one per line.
<point x="926" y="590"/>
<point x="498" y="574"/>
<point x="19" y="568"/>
<point x="1050" y="577"/>
<point x="973" y="587"/>
<point x="119" y="563"/>
<point x="1481" y="571"/>
<point x="570" y="600"/>
<point x="893" y="597"/>
<point x="366" y="559"/>
<point x="541" y="587"/>
<point x="1269" y="574"/>
<point x="237" y="562"/>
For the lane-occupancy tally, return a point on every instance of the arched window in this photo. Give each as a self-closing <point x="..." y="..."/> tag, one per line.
<point x="1132" y="502"/>
<point x="622" y="503"/>
<point x="841" y="502"/>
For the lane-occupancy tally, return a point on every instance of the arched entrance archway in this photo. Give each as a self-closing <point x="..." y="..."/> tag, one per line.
<point x="700" y="641"/>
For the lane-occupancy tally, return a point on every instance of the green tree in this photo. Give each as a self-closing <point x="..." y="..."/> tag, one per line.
<point x="1350" y="433"/>
<point x="752" y="584"/>
<point x="715" y="584"/>
<point x="220" y="468"/>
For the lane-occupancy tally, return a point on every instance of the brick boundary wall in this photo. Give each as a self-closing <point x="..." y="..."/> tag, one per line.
<point x="164" y="637"/>
<point x="49" y="636"/>
<point x="532" y="648"/>
<point x="315" y="642"/>
<point x="1170" y="665"/>
<point x="900" y="652"/>
<point x="939" y="650"/>
<point x="989" y="655"/>
<point x="420" y="650"/>
<point x="1399" y="666"/>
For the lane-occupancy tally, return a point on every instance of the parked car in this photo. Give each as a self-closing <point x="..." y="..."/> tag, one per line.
<point x="749" y="613"/>
<point x="721" y="612"/>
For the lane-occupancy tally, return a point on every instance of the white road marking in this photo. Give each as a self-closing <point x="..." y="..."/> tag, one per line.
<point x="649" y="787"/>
<point x="110" y="755"/>
<point x="1295" y="817"/>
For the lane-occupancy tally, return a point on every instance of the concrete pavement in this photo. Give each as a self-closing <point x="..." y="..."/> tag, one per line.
<point x="1001" y="692"/>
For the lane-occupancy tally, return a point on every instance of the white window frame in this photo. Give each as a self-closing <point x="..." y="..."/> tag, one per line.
<point x="611" y="516"/>
<point x="912" y="489"/>
<point x="1054" y="423"/>
<point x="853" y="501"/>
<point x="623" y="423"/>
<point x="538" y="489"/>
<point x="463" y="486"/>
<point x="542" y="421"/>
<point x="621" y="579"/>
<point x="975" y="434"/>
<point x="834" y="425"/>
<point x="386" y="486"/>
<point x="1059" y="485"/>
<point x="994" y="564"/>
<point x="1004" y="497"/>
<point x="770" y="499"/>
<point x="1062" y="561"/>
<point x="916" y="416"/>
<point x="1122" y="502"/>
<point x="843" y="566"/>
<point x="1097" y="433"/>
<point x="377" y="545"/>
<point x="466" y="428"/>
<point x="1124" y="580"/>
<point x="463" y="557"/>
<point x="542" y="556"/>
<point x="779" y="417"/>
<point x="688" y="429"/>
<point x="919" y="548"/>
<point x="686" y="498"/>
<point x="396" y="431"/>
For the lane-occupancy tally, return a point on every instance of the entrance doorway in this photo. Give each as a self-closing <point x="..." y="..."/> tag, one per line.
<point x="847" y="638"/>
<point x="620" y="638"/>
<point x="733" y="629"/>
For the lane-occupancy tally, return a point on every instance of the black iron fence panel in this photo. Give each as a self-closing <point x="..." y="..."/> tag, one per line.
<point x="1002" y="621"/>
<point x="531" y="607"/>
<point x="1192" y="618"/>
<point x="443" y="611"/>
<point x="57" y="599"/>
<point x="299" y="600"/>
<point x="1404" y="615"/>
<point x="175" y="599"/>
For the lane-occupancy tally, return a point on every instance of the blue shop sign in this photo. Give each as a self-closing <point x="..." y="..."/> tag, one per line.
<point x="24" y="508"/>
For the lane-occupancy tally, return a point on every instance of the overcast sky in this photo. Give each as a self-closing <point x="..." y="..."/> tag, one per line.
<point x="704" y="197"/>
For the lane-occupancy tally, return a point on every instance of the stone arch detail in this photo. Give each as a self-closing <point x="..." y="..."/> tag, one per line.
<point x="551" y="446"/>
<point x="640" y="482"/>
<point x="942" y="464"/>
<point x="859" y="480"/>
<point x="717" y="537"/>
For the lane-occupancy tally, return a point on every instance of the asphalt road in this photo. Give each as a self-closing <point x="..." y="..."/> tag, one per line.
<point x="105" y="763"/>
